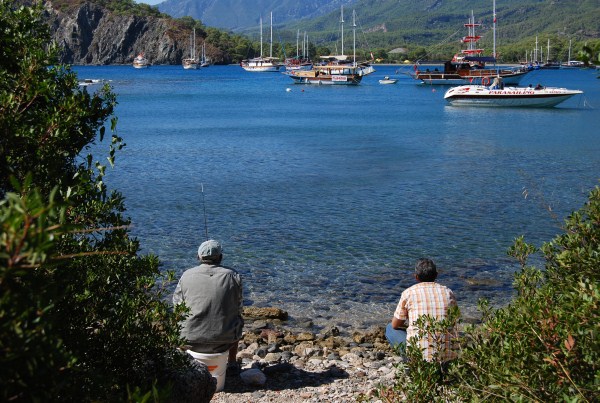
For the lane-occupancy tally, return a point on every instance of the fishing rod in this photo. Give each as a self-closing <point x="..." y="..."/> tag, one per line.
<point x="204" y="207"/>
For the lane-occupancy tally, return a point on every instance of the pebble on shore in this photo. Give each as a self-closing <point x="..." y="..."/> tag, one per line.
<point x="278" y="365"/>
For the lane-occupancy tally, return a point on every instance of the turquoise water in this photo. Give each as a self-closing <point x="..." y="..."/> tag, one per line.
<point x="324" y="197"/>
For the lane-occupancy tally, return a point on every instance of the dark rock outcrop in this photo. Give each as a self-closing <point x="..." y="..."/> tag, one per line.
<point x="196" y="385"/>
<point x="90" y="34"/>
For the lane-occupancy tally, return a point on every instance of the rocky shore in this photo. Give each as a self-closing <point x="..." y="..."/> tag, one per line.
<point x="281" y="365"/>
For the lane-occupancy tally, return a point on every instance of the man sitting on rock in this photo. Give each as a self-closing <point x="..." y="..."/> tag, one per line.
<point x="424" y="298"/>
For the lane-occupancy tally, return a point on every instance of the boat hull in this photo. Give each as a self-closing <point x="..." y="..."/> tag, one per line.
<point x="261" y="65"/>
<point x="332" y="74"/>
<point x="261" y="69"/>
<point x="508" y="96"/>
<point x="140" y="62"/>
<point x="327" y="79"/>
<point x="190" y="65"/>
<point x="469" y="77"/>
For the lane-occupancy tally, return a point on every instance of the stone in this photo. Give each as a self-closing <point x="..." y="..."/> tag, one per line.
<point x="306" y="336"/>
<point x="194" y="385"/>
<point x="264" y="313"/>
<point x="253" y="377"/>
<point x="272" y="357"/>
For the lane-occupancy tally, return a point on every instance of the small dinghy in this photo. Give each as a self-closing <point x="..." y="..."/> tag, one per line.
<point x="387" y="80"/>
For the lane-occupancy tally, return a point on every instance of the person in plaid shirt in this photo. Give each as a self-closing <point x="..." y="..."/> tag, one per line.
<point x="424" y="298"/>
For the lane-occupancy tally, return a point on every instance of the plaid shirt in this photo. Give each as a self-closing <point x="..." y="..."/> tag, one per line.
<point x="425" y="298"/>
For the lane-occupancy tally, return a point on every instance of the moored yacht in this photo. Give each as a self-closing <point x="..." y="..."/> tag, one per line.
<point x="263" y="64"/>
<point x="335" y="69"/>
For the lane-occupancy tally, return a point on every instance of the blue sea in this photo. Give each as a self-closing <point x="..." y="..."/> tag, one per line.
<point x="324" y="197"/>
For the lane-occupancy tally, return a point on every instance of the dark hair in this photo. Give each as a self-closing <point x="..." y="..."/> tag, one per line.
<point x="211" y="259"/>
<point x="425" y="270"/>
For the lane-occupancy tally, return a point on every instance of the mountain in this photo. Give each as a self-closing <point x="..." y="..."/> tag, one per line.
<point x="392" y="23"/>
<point x="114" y="31"/>
<point x="430" y="21"/>
<point x="238" y="15"/>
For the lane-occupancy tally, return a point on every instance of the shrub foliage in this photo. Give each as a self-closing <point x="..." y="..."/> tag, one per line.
<point x="82" y="315"/>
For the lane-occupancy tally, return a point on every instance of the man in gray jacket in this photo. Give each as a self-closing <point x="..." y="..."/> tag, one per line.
<point x="213" y="294"/>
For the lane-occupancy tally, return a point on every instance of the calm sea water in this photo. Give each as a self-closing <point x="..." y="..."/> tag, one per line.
<point x="324" y="197"/>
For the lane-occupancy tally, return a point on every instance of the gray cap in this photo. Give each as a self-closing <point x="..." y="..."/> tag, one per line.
<point x="210" y="248"/>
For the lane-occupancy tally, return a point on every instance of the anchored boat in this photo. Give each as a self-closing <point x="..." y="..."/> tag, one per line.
<point x="140" y="62"/>
<point x="263" y="64"/>
<point x="499" y="95"/>
<point x="191" y="63"/>
<point x="469" y="66"/>
<point x="335" y="69"/>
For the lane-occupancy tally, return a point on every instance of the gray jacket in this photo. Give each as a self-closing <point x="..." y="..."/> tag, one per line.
<point x="214" y="295"/>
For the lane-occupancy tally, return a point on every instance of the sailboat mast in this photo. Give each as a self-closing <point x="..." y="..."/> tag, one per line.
<point x="271" y="45"/>
<point x="305" y="45"/>
<point x="548" y="52"/>
<point x="342" y="23"/>
<point x="494" y="29"/>
<point x="261" y="37"/>
<point x="354" y="35"/>
<point x="298" y="44"/>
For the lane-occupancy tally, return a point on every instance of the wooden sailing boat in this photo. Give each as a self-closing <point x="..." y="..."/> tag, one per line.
<point x="572" y="63"/>
<point x="300" y="62"/>
<point x="335" y="69"/>
<point x="549" y="63"/>
<point x="469" y="66"/>
<point x="263" y="64"/>
<point x="191" y="63"/>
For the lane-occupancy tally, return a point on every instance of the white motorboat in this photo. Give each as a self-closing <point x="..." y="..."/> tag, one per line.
<point x="498" y="95"/>
<point x="140" y="62"/>
<point x="387" y="80"/>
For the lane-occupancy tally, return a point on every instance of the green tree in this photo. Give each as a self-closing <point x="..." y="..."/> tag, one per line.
<point x="83" y="315"/>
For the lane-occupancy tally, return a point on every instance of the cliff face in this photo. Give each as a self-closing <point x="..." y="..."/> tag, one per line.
<point x="90" y="34"/>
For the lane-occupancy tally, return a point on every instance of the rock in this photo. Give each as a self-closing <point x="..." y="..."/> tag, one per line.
<point x="194" y="385"/>
<point x="92" y="34"/>
<point x="332" y="331"/>
<point x="271" y="335"/>
<point x="253" y="377"/>
<point x="358" y="338"/>
<point x="278" y="368"/>
<point x="254" y="312"/>
<point x="306" y="336"/>
<point x="272" y="357"/>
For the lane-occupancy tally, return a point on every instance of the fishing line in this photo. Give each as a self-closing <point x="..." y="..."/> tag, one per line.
<point x="204" y="208"/>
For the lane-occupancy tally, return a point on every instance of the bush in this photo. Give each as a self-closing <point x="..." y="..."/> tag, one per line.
<point x="83" y="316"/>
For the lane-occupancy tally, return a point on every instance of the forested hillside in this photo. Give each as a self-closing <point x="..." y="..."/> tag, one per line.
<point x="438" y="24"/>
<point x="428" y="29"/>
<point x="423" y="30"/>
<point x="240" y="14"/>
